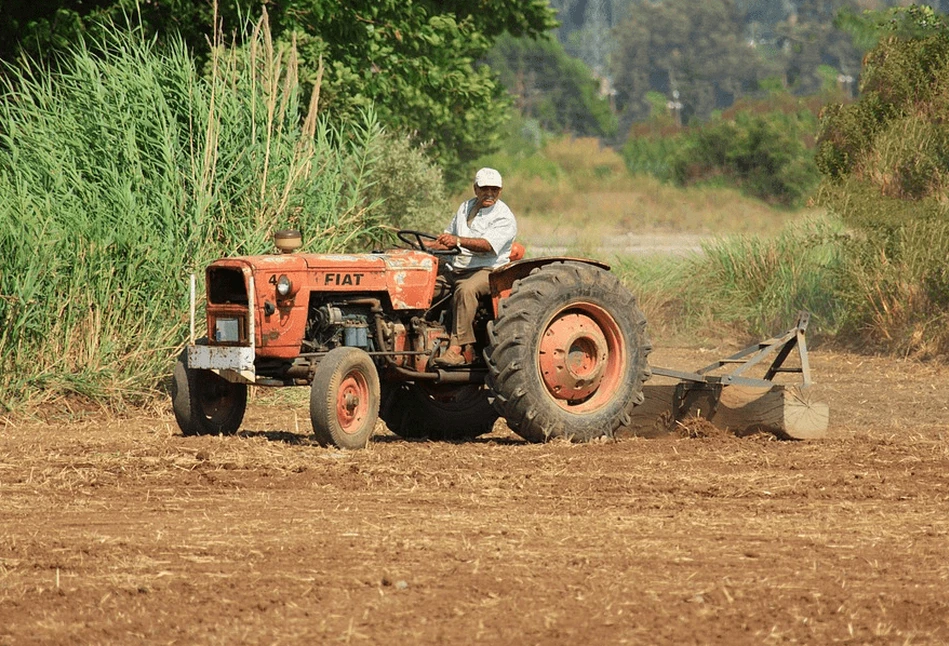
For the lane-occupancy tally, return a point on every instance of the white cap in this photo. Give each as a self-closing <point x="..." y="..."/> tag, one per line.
<point x="488" y="177"/>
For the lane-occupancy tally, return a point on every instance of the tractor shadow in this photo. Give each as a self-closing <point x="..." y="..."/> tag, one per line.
<point x="283" y="437"/>
<point x="307" y="439"/>
<point x="389" y="438"/>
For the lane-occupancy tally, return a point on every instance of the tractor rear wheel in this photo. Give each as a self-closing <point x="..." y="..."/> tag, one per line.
<point x="415" y="411"/>
<point x="344" y="398"/>
<point x="567" y="354"/>
<point x="205" y="403"/>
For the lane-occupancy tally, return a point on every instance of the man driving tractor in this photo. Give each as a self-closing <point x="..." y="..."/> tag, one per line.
<point x="483" y="229"/>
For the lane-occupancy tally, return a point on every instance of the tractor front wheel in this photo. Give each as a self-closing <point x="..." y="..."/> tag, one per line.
<point x="344" y="398"/>
<point x="567" y="353"/>
<point x="205" y="403"/>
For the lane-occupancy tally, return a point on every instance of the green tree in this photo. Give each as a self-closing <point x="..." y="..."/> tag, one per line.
<point x="694" y="50"/>
<point x="558" y="91"/>
<point x="45" y="26"/>
<point x="810" y="38"/>
<point x="416" y="62"/>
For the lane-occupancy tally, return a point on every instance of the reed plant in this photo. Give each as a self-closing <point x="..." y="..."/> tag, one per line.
<point x="123" y="170"/>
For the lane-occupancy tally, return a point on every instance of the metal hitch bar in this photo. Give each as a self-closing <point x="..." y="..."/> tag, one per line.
<point x="752" y="356"/>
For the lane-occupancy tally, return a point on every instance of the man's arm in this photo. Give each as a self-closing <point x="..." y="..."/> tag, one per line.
<point x="450" y="240"/>
<point x="478" y="245"/>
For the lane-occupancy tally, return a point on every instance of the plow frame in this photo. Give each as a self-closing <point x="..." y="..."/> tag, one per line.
<point x="752" y="356"/>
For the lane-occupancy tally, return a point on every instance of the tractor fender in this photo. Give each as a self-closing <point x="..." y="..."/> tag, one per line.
<point x="504" y="277"/>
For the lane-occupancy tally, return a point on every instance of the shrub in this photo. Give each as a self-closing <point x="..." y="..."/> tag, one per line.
<point x="903" y="92"/>
<point x="886" y="169"/>
<point x="408" y="188"/>
<point x="764" y="154"/>
<point x="763" y="147"/>
<point x="649" y="153"/>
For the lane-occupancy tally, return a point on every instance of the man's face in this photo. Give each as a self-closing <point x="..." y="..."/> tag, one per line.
<point x="487" y="195"/>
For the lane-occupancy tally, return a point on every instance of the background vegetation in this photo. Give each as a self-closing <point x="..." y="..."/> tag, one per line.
<point x="130" y="156"/>
<point x="886" y="161"/>
<point x="414" y="63"/>
<point x="449" y="75"/>
<point x="765" y="148"/>
<point x="124" y="170"/>
<point x="874" y="269"/>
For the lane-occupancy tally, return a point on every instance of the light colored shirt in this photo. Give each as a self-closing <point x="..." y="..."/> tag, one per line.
<point x="495" y="224"/>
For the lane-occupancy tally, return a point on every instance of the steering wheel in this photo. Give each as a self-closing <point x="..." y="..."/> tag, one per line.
<point x="415" y="239"/>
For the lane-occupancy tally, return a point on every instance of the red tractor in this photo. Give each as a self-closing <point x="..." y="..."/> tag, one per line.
<point x="561" y="343"/>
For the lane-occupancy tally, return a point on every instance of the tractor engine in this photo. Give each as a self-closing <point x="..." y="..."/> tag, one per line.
<point x="402" y="341"/>
<point x="332" y="325"/>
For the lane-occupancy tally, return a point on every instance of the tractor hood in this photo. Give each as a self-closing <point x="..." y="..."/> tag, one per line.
<point x="407" y="276"/>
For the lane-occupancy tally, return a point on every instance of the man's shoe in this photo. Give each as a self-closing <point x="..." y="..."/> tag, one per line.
<point x="454" y="356"/>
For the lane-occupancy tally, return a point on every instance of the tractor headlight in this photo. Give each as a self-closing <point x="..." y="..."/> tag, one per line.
<point x="284" y="285"/>
<point x="227" y="330"/>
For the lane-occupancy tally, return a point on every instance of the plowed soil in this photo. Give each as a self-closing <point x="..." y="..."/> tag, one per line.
<point x="124" y="531"/>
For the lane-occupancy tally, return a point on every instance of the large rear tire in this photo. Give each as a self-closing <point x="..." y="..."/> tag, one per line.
<point x="344" y="398"/>
<point x="205" y="403"/>
<point x="567" y="354"/>
<point x="415" y="411"/>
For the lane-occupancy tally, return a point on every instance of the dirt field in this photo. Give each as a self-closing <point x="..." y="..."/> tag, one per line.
<point x="123" y="531"/>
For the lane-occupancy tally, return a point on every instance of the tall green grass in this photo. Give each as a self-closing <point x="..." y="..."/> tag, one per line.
<point x="745" y="287"/>
<point x="896" y="291"/>
<point x="122" y="170"/>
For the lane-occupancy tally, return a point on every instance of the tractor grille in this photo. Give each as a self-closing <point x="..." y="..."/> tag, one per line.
<point x="226" y="286"/>
<point x="227" y="306"/>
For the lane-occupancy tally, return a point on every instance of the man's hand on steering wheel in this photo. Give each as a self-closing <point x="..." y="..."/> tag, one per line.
<point x="427" y="242"/>
<point x="448" y="240"/>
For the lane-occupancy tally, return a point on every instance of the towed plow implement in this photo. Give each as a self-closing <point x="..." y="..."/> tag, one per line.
<point x="727" y="394"/>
